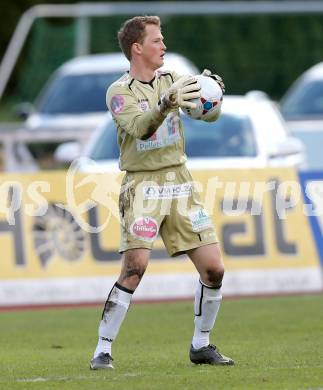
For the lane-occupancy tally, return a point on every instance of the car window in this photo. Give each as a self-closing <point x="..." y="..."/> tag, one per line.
<point x="304" y="99"/>
<point x="75" y="94"/>
<point x="229" y="136"/>
<point x="106" y="146"/>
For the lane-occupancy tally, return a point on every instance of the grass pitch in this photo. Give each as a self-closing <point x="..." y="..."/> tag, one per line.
<point x="277" y="343"/>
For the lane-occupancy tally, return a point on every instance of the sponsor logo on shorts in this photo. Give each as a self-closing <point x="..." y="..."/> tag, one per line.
<point x="200" y="220"/>
<point x="117" y="104"/>
<point x="144" y="228"/>
<point x="171" y="191"/>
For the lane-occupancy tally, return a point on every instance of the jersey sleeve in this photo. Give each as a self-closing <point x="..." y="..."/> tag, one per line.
<point x="176" y="76"/>
<point x="123" y="106"/>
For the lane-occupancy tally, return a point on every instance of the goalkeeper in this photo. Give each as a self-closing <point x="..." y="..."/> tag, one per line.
<point x="145" y="104"/>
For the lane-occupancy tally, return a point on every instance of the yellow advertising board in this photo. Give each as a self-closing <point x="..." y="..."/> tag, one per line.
<point x="53" y="224"/>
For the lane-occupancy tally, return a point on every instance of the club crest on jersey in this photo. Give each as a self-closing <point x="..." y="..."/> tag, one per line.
<point x="144" y="228"/>
<point x="117" y="104"/>
<point x="143" y="105"/>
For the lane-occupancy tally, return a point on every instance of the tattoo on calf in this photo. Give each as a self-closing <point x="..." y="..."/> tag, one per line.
<point x="133" y="271"/>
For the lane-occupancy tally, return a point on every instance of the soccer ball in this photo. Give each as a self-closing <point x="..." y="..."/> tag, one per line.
<point x="208" y="106"/>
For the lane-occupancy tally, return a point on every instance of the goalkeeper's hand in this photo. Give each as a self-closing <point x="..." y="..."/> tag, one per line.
<point x="216" y="77"/>
<point x="180" y="94"/>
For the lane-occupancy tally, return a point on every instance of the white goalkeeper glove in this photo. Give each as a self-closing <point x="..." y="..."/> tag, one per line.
<point x="216" y="77"/>
<point x="180" y="94"/>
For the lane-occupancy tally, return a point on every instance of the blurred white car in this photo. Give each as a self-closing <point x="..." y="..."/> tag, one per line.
<point x="302" y="108"/>
<point x="74" y="97"/>
<point x="249" y="133"/>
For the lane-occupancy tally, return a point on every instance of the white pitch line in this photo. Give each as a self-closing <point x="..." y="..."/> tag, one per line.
<point x="40" y="379"/>
<point x="65" y="378"/>
<point x="57" y="379"/>
<point x="129" y="374"/>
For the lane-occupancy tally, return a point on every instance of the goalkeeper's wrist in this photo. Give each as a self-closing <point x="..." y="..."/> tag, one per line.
<point x="157" y="113"/>
<point x="163" y="108"/>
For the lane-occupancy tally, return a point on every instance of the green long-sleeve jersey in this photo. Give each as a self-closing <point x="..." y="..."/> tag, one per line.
<point x="148" y="141"/>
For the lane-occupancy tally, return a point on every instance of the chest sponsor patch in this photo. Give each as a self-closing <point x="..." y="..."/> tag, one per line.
<point x="171" y="191"/>
<point x="117" y="104"/>
<point x="167" y="134"/>
<point x="200" y="220"/>
<point x="144" y="228"/>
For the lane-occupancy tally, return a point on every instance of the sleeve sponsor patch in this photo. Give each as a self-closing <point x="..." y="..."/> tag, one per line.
<point x="117" y="104"/>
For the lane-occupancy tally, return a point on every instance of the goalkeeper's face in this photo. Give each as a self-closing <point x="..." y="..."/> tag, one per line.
<point x="153" y="47"/>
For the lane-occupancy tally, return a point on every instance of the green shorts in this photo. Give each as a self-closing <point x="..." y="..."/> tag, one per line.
<point x="163" y="202"/>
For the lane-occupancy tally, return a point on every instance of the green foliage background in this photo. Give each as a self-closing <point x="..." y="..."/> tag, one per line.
<point x="250" y="52"/>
